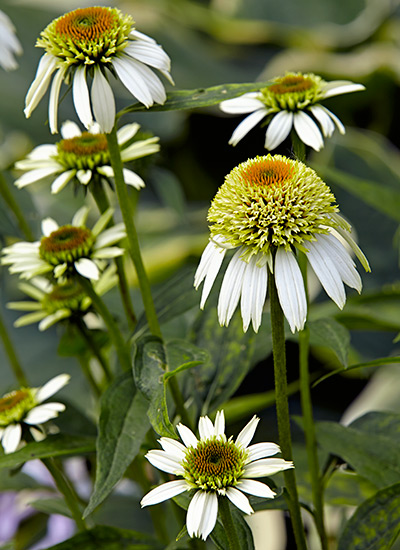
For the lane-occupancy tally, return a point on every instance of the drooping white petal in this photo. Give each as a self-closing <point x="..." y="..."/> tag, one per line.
<point x="47" y="65"/>
<point x="208" y="269"/>
<point x="103" y="102"/>
<point x="152" y="81"/>
<point x="51" y="387"/>
<point x="127" y="132"/>
<point x="335" y="119"/>
<point x="247" y="434"/>
<point x="239" y="500"/>
<point x="108" y="252"/>
<point x="219" y="425"/>
<point x="106" y="171"/>
<point x="165" y="491"/>
<point x="262" y="450"/>
<point x="52" y="319"/>
<point x="187" y="436"/>
<point x="141" y="148"/>
<point x="327" y="273"/>
<point x="246" y="125"/>
<point x="307" y="130"/>
<point x="87" y="268"/>
<point x="43" y="413"/>
<point x="290" y="287"/>
<point x="343" y="262"/>
<point x="231" y="288"/>
<point x="150" y="54"/>
<point x="165" y="462"/>
<point x="84" y="176"/>
<point x="70" y="129"/>
<point x="254" y="291"/>
<point x="256" y="488"/>
<point x="137" y="35"/>
<point x="61" y="181"/>
<point x="266" y="467"/>
<point x="35" y="175"/>
<point x="48" y="226"/>
<point x="206" y="428"/>
<point x="37" y="434"/>
<point x="80" y="216"/>
<point x="324" y="119"/>
<point x="80" y="94"/>
<point x="246" y="103"/>
<point x="202" y="514"/>
<point x="110" y="235"/>
<point x="127" y="70"/>
<point x="278" y="129"/>
<point x="26" y="319"/>
<point x="173" y="447"/>
<point x="337" y="87"/>
<point x="131" y="178"/>
<point x="11" y="438"/>
<point x="53" y="99"/>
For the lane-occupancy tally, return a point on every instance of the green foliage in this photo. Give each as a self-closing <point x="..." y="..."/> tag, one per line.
<point x="329" y="333"/>
<point x="244" y="535"/>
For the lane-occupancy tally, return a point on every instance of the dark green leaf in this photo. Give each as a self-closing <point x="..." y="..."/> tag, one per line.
<point x="51" y="506"/>
<point x="243" y="532"/>
<point x="375" y="525"/>
<point x="122" y="427"/>
<point x="380" y="423"/>
<point x="74" y="422"/>
<point x="53" y="445"/>
<point x="15" y="481"/>
<point x="329" y="333"/>
<point x="374" y="363"/>
<point x="347" y="489"/>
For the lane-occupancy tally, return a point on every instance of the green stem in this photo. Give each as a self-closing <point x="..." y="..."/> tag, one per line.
<point x="12" y="355"/>
<point x="96" y="351"/>
<point x="228" y="523"/>
<point x="299" y="148"/>
<point x="178" y="400"/>
<point x="66" y="489"/>
<point x="89" y="376"/>
<point x="14" y="206"/>
<point x="134" y="248"/>
<point x="282" y="410"/>
<point x="120" y="346"/>
<point x="103" y="204"/>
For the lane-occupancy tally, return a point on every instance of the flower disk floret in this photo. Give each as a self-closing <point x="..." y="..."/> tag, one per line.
<point x="214" y="467"/>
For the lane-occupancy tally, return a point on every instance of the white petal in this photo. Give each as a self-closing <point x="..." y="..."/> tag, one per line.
<point x="103" y="102"/>
<point x="108" y="252"/>
<point x="106" y="171"/>
<point x="231" y="288"/>
<point x="127" y="70"/>
<point x="53" y="100"/>
<point x="246" y="435"/>
<point x="165" y="462"/>
<point x="187" y="436"/>
<point x="48" y="226"/>
<point x="87" y="268"/>
<point x="165" y="491"/>
<point x="61" y="181"/>
<point x="278" y="129"/>
<point x="53" y="318"/>
<point x="70" y="129"/>
<point x="308" y="131"/>
<point x="202" y="514"/>
<point x="206" y="428"/>
<point x="173" y="447"/>
<point x="51" y="387"/>
<point x="36" y="175"/>
<point x="80" y="217"/>
<point x="43" y="413"/>
<point x="254" y="291"/>
<point x="246" y="103"/>
<point x="150" y="54"/>
<point x="325" y="269"/>
<point x="84" y="176"/>
<point x="290" y="287"/>
<point x="266" y="467"/>
<point x="262" y="450"/>
<point x="152" y="81"/>
<point x="239" y="500"/>
<point x="324" y="119"/>
<point x="343" y="262"/>
<point x="47" y="65"/>
<point x="80" y="94"/>
<point x="219" y="423"/>
<point x="337" y="87"/>
<point x="256" y="488"/>
<point x="11" y="438"/>
<point x="110" y="235"/>
<point x="137" y="35"/>
<point x="246" y="125"/>
<point x="127" y="132"/>
<point x="131" y="178"/>
<point x="208" y="269"/>
<point x="335" y="119"/>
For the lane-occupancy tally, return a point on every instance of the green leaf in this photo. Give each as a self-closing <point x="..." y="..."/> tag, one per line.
<point x="53" y="445"/>
<point x="51" y="506"/>
<point x="375" y="524"/>
<point x="373" y="456"/>
<point x="16" y="481"/>
<point x="201" y="97"/>
<point x="122" y="427"/>
<point x="374" y="363"/>
<point x="103" y="537"/>
<point x="347" y="489"/>
<point x="377" y="422"/>
<point x="329" y="333"/>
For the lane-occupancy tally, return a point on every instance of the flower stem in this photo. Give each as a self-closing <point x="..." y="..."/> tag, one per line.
<point x="299" y="148"/>
<point x="89" y="376"/>
<point x="68" y="492"/>
<point x="95" y="350"/>
<point x="134" y="248"/>
<point x="120" y="346"/>
<point x="282" y="410"/>
<point x="14" y="206"/>
<point x="228" y="523"/>
<point x="12" y="355"/>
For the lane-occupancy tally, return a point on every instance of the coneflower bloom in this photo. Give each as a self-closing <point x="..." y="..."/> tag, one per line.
<point x="9" y="43"/>
<point x="292" y="101"/>
<point x="214" y="467"/>
<point x="83" y="157"/>
<point x="25" y="408"/>
<point x="96" y="42"/>
<point x="269" y="209"/>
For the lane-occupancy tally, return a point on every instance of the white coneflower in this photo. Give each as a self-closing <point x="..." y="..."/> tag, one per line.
<point x="293" y="101"/>
<point x="269" y="208"/>
<point x="26" y="407"/>
<point x="68" y="249"/>
<point x="9" y="43"/>
<point x="214" y="467"/>
<point x="99" y="42"/>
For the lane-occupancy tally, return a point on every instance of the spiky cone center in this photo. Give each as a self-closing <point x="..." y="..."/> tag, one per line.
<point x="84" y="152"/>
<point x="66" y="245"/>
<point x="65" y="296"/>
<point x="293" y="92"/>
<point x="214" y="464"/>
<point x="271" y="201"/>
<point x="15" y="405"/>
<point x="88" y="36"/>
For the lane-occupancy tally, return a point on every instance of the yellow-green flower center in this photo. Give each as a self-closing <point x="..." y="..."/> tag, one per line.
<point x="66" y="245"/>
<point x="271" y="201"/>
<point x="14" y="405"/>
<point x="66" y="296"/>
<point x="85" y="152"/>
<point x="292" y="92"/>
<point x="214" y="464"/>
<point x="87" y="35"/>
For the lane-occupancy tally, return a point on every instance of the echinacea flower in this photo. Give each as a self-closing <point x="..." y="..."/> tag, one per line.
<point x="100" y="43"/>
<point x="269" y="209"/>
<point x="214" y="467"/>
<point x="84" y="157"/>
<point x="26" y="407"/>
<point x="9" y="43"/>
<point x="69" y="249"/>
<point x="294" y="102"/>
<point x="52" y="303"/>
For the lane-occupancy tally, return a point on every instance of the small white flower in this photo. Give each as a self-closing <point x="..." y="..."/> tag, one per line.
<point x="68" y="249"/>
<point x="214" y="467"/>
<point x="293" y="102"/>
<point x="9" y="43"/>
<point x="267" y="209"/>
<point x="102" y="43"/>
<point x="26" y="407"/>
<point x="84" y="157"/>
